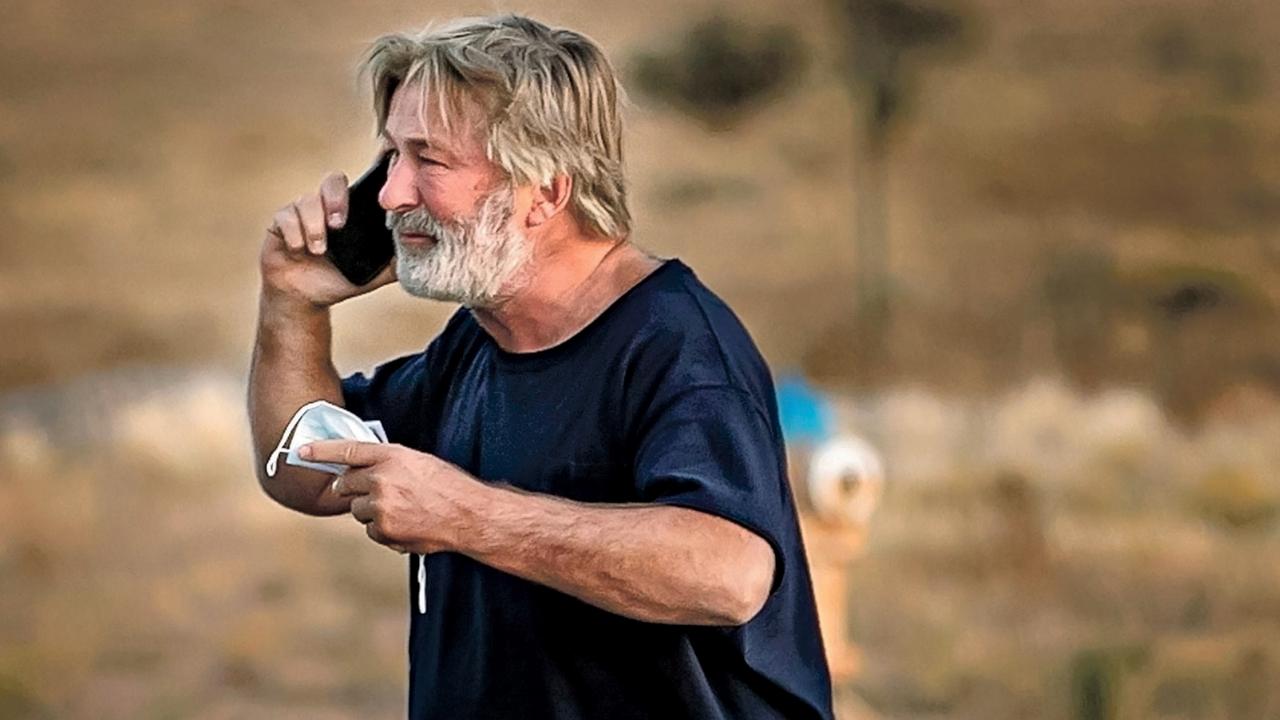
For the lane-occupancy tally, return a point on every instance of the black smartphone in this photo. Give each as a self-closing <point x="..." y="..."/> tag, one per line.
<point x="363" y="246"/>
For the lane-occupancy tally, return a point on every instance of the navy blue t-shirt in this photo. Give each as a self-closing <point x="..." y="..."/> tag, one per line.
<point x="663" y="398"/>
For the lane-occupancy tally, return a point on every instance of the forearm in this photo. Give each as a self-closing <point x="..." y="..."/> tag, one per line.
<point x="648" y="562"/>
<point x="291" y="366"/>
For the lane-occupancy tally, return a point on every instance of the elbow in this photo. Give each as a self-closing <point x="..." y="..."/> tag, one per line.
<point x="740" y="610"/>
<point x="278" y="495"/>
<point x="288" y="493"/>
<point x="751" y="580"/>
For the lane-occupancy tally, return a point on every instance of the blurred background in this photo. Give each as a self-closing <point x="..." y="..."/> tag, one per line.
<point x="1015" y="263"/>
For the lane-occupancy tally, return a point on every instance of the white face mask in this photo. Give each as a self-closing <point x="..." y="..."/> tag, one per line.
<point x="322" y="420"/>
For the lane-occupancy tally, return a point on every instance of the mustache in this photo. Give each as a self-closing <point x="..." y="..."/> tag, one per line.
<point x="418" y="221"/>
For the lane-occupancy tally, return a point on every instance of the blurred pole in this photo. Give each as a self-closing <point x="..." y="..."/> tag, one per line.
<point x="871" y="242"/>
<point x="883" y="41"/>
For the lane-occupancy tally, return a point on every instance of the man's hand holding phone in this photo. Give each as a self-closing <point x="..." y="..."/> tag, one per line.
<point x="302" y="276"/>
<point x="312" y="237"/>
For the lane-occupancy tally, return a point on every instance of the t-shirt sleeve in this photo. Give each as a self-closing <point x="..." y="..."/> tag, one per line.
<point x="713" y="449"/>
<point x="387" y="394"/>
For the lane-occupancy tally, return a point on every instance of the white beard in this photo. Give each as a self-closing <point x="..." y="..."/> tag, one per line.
<point x="477" y="262"/>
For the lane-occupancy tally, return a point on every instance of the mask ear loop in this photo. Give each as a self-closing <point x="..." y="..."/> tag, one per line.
<point x="422" y="584"/>
<point x="284" y="437"/>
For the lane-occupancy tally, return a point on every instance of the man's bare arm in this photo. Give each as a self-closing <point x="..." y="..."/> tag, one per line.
<point x="653" y="563"/>
<point x="291" y="367"/>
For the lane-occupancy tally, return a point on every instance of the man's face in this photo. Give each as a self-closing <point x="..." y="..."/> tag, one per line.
<point x="450" y="209"/>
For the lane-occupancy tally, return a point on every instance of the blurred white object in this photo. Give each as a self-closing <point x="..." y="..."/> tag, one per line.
<point x="845" y="481"/>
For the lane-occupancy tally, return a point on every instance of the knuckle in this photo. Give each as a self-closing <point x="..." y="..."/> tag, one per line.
<point x="333" y="181"/>
<point x="386" y="528"/>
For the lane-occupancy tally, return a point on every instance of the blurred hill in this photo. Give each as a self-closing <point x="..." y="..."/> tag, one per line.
<point x="1049" y="190"/>
<point x="1084" y="201"/>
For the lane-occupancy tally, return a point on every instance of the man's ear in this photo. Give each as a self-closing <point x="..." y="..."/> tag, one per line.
<point x="550" y="200"/>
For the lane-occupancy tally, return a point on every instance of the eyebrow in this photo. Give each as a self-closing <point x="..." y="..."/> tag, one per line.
<point x="412" y="140"/>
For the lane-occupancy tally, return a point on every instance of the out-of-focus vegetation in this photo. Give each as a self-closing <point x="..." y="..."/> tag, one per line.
<point x="145" y="576"/>
<point x="886" y="43"/>
<point x="721" y="70"/>
<point x="1049" y="554"/>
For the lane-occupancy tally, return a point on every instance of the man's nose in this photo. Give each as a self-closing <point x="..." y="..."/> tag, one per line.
<point x="398" y="193"/>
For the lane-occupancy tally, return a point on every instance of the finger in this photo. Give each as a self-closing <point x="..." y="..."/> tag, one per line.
<point x="362" y="509"/>
<point x="333" y="193"/>
<point x="274" y="242"/>
<point x="286" y="220"/>
<point x="352" y="483"/>
<point x="311" y="212"/>
<point x="375" y="534"/>
<point x="347" y="452"/>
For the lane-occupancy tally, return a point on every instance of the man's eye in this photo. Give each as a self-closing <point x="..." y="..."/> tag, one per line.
<point x="428" y="160"/>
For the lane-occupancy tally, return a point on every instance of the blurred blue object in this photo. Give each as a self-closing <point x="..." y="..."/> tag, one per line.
<point x="805" y="412"/>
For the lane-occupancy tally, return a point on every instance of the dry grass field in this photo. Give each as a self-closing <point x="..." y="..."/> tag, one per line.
<point x="1081" y="512"/>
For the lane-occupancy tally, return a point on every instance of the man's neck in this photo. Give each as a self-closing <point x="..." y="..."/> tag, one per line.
<point x="566" y="290"/>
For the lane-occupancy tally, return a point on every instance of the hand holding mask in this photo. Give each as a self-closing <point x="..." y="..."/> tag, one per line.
<point x="322" y="420"/>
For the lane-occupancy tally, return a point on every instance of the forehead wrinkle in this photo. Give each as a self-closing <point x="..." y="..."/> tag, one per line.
<point x="458" y="121"/>
<point x="400" y="127"/>
<point x="461" y="142"/>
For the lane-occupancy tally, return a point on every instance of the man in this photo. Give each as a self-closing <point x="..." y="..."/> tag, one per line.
<point x="586" y="463"/>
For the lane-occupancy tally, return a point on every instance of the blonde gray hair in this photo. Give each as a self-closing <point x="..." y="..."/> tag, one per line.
<point x="550" y="99"/>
